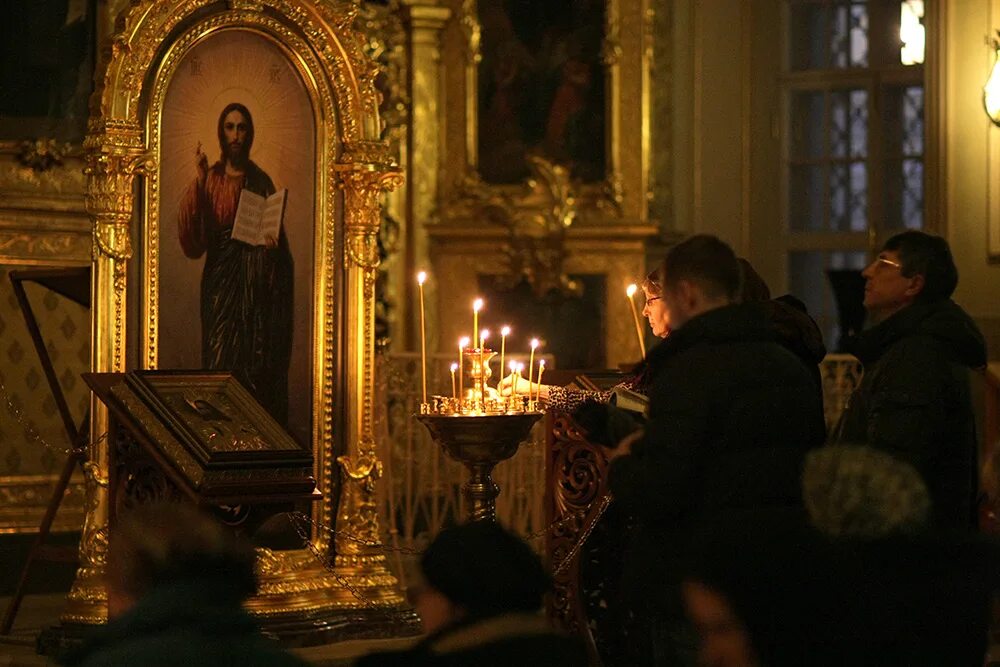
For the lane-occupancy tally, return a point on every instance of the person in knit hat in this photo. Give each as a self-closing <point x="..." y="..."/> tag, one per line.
<point x="480" y="604"/>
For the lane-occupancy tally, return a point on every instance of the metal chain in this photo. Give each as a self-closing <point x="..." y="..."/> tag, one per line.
<point x="605" y="501"/>
<point x="299" y="516"/>
<point x="34" y="436"/>
<point x="323" y="561"/>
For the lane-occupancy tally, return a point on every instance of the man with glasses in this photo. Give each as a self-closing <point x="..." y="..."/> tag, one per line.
<point x="913" y="401"/>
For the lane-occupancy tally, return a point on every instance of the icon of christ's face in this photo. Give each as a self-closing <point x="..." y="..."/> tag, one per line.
<point x="234" y="128"/>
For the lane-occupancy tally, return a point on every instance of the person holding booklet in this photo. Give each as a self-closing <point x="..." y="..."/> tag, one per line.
<point x="232" y="214"/>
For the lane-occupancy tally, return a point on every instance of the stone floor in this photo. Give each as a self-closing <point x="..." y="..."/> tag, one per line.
<point x="42" y="611"/>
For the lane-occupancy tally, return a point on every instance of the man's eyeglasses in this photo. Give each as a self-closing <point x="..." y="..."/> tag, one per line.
<point x="888" y="262"/>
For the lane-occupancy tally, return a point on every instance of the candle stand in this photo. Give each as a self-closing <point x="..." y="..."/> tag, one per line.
<point x="479" y="430"/>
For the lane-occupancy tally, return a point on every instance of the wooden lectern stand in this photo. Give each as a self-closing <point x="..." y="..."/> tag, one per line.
<point x="199" y="436"/>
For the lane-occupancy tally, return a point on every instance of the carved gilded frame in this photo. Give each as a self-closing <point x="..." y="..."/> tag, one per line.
<point x="353" y="170"/>
<point x="623" y="196"/>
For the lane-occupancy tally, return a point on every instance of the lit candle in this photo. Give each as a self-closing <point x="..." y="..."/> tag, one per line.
<point x="482" y="367"/>
<point x="454" y="393"/>
<point x="477" y="305"/>
<point x="531" y="364"/>
<point x="513" y="378"/>
<point x="541" y="369"/>
<point x="504" y="332"/>
<point x="462" y="344"/>
<point x="520" y="371"/>
<point x="629" y="293"/>
<point x="421" y="278"/>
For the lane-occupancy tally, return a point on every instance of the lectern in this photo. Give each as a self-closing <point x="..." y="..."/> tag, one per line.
<point x="199" y="436"/>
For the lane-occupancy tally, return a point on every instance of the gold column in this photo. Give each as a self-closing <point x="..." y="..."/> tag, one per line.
<point x="424" y="22"/>
<point x="366" y="174"/>
<point x="114" y="156"/>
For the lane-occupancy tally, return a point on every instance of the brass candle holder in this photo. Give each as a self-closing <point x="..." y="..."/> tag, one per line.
<point x="479" y="429"/>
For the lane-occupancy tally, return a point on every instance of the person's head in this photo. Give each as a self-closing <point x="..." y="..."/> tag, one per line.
<point x="478" y="570"/>
<point x="163" y="544"/>
<point x="700" y="273"/>
<point x="858" y="491"/>
<point x="655" y="310"/>
<point x="235" y="133"/>
<point x="911" y="267"/>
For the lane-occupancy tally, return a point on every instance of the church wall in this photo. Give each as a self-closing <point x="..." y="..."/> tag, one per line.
<point x="968" y="166"/>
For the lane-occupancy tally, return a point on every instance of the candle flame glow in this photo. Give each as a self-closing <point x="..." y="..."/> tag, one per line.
<point x="463" y="342"/>
<point x="477" y="305"/>
<point x="454" y="367"/>
<point x="484" y="334"/>
<point x="534" y="343"/>
<point x="421" y="277"/>
<point x="505" y="331"/>
<point x="630" y="290"/>
<point x="513" y="367"/>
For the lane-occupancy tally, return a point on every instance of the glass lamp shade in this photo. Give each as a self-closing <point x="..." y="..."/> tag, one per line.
<point x="991" y="91"/>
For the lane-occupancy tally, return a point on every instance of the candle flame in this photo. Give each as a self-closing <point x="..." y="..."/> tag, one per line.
<point x="520" y="367"/>
<point x="534" y="343"/>
<point x="505" y="331"/>
<point x="630" y="290"/>
<point x="421" y="277"/>
<point x="541" y="363"/>
<point x="484" y="334"/>
<point x="513" y="367"/>
<point x="454" y="367"/>
<point x="463" y="342"/>
<point x="477" y="305"/>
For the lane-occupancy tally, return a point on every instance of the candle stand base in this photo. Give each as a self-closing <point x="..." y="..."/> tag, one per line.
<point x="480" y="442"/>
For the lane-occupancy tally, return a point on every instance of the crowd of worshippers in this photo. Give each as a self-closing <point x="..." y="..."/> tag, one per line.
<point x="754" y="537"/>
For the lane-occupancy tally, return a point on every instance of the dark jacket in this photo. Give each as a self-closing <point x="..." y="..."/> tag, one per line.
<point x="188" y="624"/>
<point x="913" y="400"/>
<point x="798" y="332"/>
<point x="732" y="414"/>
<point x="521" y="640"/>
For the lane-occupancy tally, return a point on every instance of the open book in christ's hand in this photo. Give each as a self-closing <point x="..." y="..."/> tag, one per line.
<point x="259" y="218"/>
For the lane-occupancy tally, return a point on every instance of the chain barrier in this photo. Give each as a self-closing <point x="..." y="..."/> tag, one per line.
<point x="32" y="434"/>
<point x="298" y="520"/>
<point x="340" y="579"/>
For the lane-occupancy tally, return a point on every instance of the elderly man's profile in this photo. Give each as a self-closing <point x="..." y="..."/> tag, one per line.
<point x="246" y="289"/>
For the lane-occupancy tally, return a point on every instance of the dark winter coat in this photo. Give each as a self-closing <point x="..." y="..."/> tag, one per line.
<point x="522" y="640"/>
<point x="191" y="624"/>
<point x="732" y="414"/>
<point x="913" y="400"/>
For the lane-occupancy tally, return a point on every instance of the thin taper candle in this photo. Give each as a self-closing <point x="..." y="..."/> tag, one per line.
<point x="462" y="344"/>
<point x="504" y="332"/>
<point x="629" y="293"/>
<point x="482" y="367"/>
<point x="477" y="305"/>
<point x="454" y="392"/>
<point x="541" y="369"/>
<point x="531" y="364"/>
<point x="421" y="278"/>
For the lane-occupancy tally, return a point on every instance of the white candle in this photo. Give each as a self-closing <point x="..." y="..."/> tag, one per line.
<point x="504" y="332"/>
<point x="454" y="392"/>
<point x="462" y="344"/>
<point x="531" y="364"/>
<point x="482" y="367"/>
<point x="421" y="278"/>
<point x="629" y="293"/>
<point x="541" y="369"/>
<point x="477" y="305"/>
